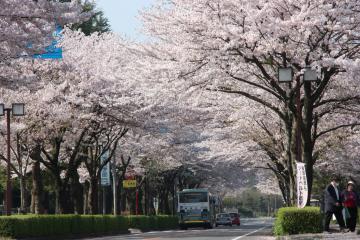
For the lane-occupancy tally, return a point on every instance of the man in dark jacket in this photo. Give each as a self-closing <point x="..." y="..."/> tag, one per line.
<point x="332" y="201"/>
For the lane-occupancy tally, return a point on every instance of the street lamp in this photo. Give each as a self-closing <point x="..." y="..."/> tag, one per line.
<point x="285" y="74"/>
<point x="310" y="75"/>
<point x="17" y="109"/>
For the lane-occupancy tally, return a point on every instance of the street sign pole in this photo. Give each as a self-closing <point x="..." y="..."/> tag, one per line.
<point x="132" y="184"/>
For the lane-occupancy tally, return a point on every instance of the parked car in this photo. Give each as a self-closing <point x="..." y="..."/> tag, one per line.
<point x="235" y="218"/>
<point x="223" y="219"/>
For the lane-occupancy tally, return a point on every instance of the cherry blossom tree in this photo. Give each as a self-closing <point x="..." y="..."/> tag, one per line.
<point x="27" y="26"/>
<point x="236" y="47"/>
<point x="22" y="164"/>
<point x="200" y="97"/>
<point x="344" y="148"/>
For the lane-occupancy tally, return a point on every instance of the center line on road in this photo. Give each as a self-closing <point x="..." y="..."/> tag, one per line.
<point x="237" y="238"/>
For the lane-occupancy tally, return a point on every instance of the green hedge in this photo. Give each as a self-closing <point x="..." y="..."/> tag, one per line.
<point x="147" y="223"/>
<point x="32" y="226"/>
<point x="291" y="220"/>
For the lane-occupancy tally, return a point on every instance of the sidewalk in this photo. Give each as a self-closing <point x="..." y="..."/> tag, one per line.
<point x="322" y="236"/>
<point x="336" y="234"/>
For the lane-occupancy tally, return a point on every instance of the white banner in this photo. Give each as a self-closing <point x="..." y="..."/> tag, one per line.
<point x="302" y="186"/>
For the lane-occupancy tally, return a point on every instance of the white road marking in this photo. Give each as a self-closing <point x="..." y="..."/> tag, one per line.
<point x="242" y="236"/>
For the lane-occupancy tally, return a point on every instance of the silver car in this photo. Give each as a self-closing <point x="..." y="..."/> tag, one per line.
<point x="223" y="219"/>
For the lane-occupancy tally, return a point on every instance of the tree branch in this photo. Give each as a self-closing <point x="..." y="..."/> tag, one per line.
<point x="336" y="128"/>
<point x="254" y="98"/>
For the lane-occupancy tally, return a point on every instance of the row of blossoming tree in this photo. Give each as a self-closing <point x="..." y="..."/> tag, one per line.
<point x="236" y="47"/>
<point x="197" y="102"/>
<point x="103" y="98"/>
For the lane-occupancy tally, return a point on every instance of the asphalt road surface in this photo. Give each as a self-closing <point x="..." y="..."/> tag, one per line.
<point x="259" y="229"/>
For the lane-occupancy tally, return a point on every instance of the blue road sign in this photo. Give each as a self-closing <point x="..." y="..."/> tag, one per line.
<point x="105" y="171"/>
<point x="52" y="51"/>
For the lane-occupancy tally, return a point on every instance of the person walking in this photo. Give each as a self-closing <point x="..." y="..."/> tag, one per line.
<point x="350" y="202"/>
<point x="332" y="201"/>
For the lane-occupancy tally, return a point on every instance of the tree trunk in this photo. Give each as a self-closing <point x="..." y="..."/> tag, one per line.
<point x="130" y="199"/>
<point x="23" y="197"/>
<point x="162" y="196"/>
<point x="307" y="138"/>
<point x="57" y="200"/>
<point x="310" y="177"/>
<point x="62" y="201"/>
<point x="76" y="193"/>
<point x="290" y="162"/>
<point x="140" y="201"/>
<point x="66" y="199"/>
<point x="146" y="196"/>
<point x="123" y="200"/>
<point x="37" y="191"/>
<point x="166" y="203"/>
<point x="86" y="197"/>
<point x="93" y="196"/>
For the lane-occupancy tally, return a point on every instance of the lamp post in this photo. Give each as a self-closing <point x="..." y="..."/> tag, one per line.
<point x="285" y="75"/>
<point x="17" y="109"/>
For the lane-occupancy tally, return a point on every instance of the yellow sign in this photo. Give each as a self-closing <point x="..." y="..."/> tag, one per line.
<point x="129" y="183"/>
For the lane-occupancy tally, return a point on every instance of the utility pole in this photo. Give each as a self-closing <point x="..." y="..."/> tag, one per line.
<point x="114" y="185"/>
<point x="8" y="178"/>
<point x="104" y="200"/>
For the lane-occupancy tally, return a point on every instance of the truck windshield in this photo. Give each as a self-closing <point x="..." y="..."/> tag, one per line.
<point x="193" y="197"/>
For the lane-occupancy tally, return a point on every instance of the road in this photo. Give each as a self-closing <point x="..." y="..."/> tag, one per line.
<point x="259" y="229"/>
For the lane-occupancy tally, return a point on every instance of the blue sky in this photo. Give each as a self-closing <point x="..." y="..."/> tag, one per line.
<point x="122" y="15"/>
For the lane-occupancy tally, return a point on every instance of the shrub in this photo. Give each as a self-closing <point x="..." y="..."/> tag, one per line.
<point x="35" y="226"/>
<point x="167" y="222"/>
<point x="139" y="222"/>
<point x="291" y="220"/>
<point x="146" y="223"/>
